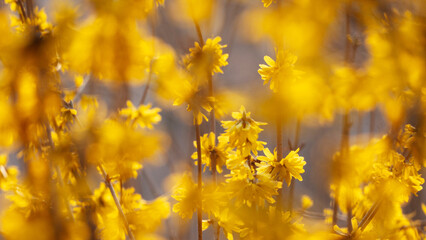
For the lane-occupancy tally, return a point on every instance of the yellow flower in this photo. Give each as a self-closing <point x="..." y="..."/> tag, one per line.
<point x="187" y="195"/>
<point x="243" y="132"/>
<point x="208" y="148"/>
<point x="266" y="3"/>
<point x="253" y="192"/>
<point x="286" y="168"/>
<point x="207" y="59"/>
<point x="144" y="115"/>
<point x="278" y="71"/>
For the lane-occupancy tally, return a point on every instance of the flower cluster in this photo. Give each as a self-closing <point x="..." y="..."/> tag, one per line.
<point x="90" y="128"/>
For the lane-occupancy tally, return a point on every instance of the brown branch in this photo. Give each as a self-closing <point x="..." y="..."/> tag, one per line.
<point x="199" y="179"/>
<point x="117" y="202"/>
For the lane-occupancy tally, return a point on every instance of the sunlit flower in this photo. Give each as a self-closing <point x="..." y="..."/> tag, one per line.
<point x="243" y="132"/>
<point x="289" y="167"/>
<point x="210" y="150"/>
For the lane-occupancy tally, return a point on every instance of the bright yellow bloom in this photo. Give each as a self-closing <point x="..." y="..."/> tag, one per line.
<point x="289" y="167"/>
<point x="208" y="148"/>
<point x="253" y="192"/>
<point x="144" y="115"/>
<point x="207" y="59"/>
<point x="243" y="132"/>
<point x="279" y="71"/>
<point x="229" y="222"/>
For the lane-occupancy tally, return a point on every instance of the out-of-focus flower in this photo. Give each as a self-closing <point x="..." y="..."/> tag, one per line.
<point x="280" y="71"/>
<point x="207" y="59"/>
<point x="186" y="193"/>
<point x="144" y="115"/>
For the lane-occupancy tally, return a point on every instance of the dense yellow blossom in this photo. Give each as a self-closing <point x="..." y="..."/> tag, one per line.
<point x="209" y="150"/>
<point x="253" y="191"/>
<point x="71" y="138"/>
<point x="243" y="132"/>
<point x="285" y="169"/>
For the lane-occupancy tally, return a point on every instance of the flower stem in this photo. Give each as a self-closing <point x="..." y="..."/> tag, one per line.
<point x="369" y="215"/>
<point x="117" y="202"/>
<point x="199" y="179"/>
<point x="145" y="91"/>
<point x="344" y="146"/>
<point x="295" y="146"/>
<point x="372" y="123"/>
<point x="212" y="119"/>
<point x="279" y="157"/>
<point x="344" y="149"/>
<point x="200" y="35"/>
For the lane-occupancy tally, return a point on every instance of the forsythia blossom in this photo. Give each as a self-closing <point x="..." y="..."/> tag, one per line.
<point x="289" y="167"/>
<point x="243" y="132"/>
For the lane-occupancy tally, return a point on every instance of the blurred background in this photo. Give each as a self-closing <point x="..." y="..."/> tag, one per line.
<point x="315" y="32"/>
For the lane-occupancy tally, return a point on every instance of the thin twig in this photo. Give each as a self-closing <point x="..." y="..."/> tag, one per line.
<point x="117" y="202"/>
<point x="80" y="90"/>
<point x="372" y="123"/>
<point x="58" y="172"/>
<point x="212" y="119"/>
<point x="369" y="215"/>
<point x="199" y="179"/>
<point x="200" y="35"/>
<point x="279" y="157"/>
<point x="145" y="91"/>
<point x="295" y="146"/>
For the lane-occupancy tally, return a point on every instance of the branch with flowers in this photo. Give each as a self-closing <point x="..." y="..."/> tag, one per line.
<point x="94" y="92"/>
